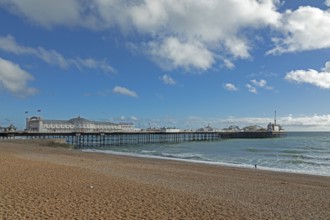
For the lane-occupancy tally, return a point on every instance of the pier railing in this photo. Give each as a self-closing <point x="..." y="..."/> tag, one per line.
<point x="100" y="139"/>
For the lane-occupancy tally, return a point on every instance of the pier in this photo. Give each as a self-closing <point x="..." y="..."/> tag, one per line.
<point x="102" y="139"/>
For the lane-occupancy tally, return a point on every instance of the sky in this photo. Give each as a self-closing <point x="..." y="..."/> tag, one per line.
<point x="173" y="63"/>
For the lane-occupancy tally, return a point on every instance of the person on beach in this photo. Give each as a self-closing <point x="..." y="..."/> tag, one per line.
<point x="255" y="166"/>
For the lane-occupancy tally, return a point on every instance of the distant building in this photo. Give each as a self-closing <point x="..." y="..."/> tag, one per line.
<point x="152" y="129"/>
<point x="171" y="130"/>
<point x="232" y="128"/>
<point x="79" y="124"/>
<point x="206" y="129"/>
<point x="164" y="129"/>
<point x="10" y="128"/>
<point x="274" y="127"/>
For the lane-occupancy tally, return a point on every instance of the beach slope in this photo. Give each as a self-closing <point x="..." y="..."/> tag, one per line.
<point x="39" y="182"/>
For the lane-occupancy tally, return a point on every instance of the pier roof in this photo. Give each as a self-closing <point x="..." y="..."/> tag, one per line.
<point x="79" y="120"/>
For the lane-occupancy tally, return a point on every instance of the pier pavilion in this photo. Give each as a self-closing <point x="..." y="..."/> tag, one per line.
<point x="78" y="124"/>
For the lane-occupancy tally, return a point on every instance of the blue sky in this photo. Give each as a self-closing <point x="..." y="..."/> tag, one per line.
<point x="185" y="64"/>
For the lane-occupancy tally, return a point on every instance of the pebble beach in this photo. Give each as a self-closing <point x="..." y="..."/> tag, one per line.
<point x="42" y="182"/>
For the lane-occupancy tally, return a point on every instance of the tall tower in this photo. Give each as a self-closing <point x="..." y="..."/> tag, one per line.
<point x="275" y="119"/>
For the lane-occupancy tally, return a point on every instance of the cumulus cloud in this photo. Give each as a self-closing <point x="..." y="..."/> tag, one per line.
<point x="124" y="91"/>
<point x="254" y="84"/>
<point x="92" y="63"/>
<point x="327" y="3"/>
<point x="229" y="64"/>
<point x="187" y="34"/>
<point x="14" y="79"/>
<point x="306" y="28"/>
<point x="9" y="44"/>
<point x="230" y="87"/>
<point x="167" y="79"/>
<point x="314" y="122"/>
<point x="320" y="79"/>
<point x="327" y="67"/>
<point x="72" y="13"/>
<point x="241" y="122"/>
<point x="251" y="88"/>
<point x="134" y="118"/>
<point x="172" y="53"/>
<point x="184" y="34"/>
<point x="261" y="83"/>
<point x="204" y="27"/>
<point x="290" y="122"/>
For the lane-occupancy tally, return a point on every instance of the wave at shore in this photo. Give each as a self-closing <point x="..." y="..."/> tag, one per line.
<point x="307" y="153"/>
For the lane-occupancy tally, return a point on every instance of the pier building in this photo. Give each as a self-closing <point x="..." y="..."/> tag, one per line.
<point x="78" y="124"/>
<point x="10" y="128"/>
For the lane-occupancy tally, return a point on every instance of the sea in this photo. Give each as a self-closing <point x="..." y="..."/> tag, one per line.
<point x="298" y="152"/>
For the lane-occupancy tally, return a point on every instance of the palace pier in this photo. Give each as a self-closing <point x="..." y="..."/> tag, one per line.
<point x="101" y="139"/>
<point x="83" y="133"/>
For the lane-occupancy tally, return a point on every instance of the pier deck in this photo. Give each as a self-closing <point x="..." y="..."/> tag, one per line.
<point x="99" y="139"/>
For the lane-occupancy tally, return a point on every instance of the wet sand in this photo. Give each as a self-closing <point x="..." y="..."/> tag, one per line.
<point x="39" y="182"/>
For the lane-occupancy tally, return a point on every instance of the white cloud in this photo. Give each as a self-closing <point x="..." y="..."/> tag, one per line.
<point x="327" y="3"/>
<point x="52" y="57"/>
<point x="134" y="118"/>
<point x="14" y="79"/>
<point x="210" y="27"/>
<point x="255" y="84"/>
<point x="124" y="91"/>
<point x="261" y="83"/>
<point x="229" y="64"/>
<point x="290" y="122"/>
<point x="252" y="89"/>
<point x="230" y="87"/>
<point x="149" y="15"/>
<point x="92" y="63"/>
<point x="313" y="123"/>
<point x="173" y="54"/>
<point x="125" y="119"/>
<point x="327" y="67"/>
<point x="46" y="13"/>
<point x="167" y="79"/>
<point x="242" y="122"/>
<point x="10" y="45"/>
<point x="319" y="79"/>
<point x="306" y="28"/>
<point x="188" y="33"/>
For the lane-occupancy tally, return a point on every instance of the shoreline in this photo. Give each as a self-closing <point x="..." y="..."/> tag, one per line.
<point x="221" y="164"/>
<point x="48" y="182"/>
<point x="213" y="163"/>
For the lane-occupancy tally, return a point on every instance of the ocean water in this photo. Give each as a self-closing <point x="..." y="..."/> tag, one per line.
<point x="299" y="152"/>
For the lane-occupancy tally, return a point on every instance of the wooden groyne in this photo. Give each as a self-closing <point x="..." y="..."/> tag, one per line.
<point x="100" y="139"/>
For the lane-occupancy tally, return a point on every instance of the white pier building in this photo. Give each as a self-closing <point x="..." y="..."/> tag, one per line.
<point x="38" y="124"/>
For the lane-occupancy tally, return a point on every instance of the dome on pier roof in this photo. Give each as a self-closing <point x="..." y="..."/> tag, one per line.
<point x="79" y="120"/>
